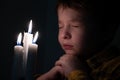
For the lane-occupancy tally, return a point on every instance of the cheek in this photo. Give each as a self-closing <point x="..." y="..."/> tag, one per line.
<point x="78" y="42"/>
<point x="78" y="38"/>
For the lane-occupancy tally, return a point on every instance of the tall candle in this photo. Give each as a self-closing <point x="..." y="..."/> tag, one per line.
<point x="18" y="59"/>
<point x="27" y="53"/>
<point x="27" y="40"/>
<point x="32" y="54"/>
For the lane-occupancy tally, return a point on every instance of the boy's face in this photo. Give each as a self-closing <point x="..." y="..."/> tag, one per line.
<point x="71" y="30"/>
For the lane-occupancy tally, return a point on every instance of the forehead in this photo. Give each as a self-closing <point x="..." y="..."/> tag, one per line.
<point x="69" y="14"/>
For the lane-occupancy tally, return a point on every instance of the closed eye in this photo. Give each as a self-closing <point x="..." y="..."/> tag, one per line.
<point x="76" y="26"/>
<point x="60" y="26"/>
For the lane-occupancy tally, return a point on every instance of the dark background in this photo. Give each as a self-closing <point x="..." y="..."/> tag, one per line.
<point x="14" y="18"/>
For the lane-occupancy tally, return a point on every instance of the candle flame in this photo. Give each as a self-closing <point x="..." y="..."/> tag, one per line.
<point x="30" y="27"/>
<point x="35" y="37"/>
<point x="19" y="38"/>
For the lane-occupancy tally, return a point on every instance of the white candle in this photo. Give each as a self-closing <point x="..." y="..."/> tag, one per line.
<point x="27" y="52"/>
<point x="32" y="54"/>
<point x="27" y="40"/>
<point x="18" y="59"/>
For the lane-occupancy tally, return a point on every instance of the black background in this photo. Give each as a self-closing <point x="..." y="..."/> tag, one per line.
<point x="14" y="18"/>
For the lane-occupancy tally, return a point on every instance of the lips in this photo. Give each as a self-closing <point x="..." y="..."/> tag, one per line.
<point x="68" y="47"/>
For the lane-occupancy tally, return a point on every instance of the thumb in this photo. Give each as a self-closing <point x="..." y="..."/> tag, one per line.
<point x="59" y="72"/>
<point x="58" y="69"/>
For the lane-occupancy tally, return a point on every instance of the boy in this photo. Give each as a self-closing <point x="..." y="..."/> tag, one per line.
<point x="83" y="36"/>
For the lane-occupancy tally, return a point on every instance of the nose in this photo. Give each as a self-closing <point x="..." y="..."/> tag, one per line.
<point x="66" y="33"/>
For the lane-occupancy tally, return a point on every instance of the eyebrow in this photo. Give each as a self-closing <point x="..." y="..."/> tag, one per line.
<point x="76" y="20"/>
<point x="72" y="20"/>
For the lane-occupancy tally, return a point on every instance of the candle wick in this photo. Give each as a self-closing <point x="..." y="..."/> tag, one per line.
<point x="19" y="44"/>
<point x="29" y="32"/>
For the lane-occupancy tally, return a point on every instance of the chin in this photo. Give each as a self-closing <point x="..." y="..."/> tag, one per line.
<point x="70" y="52"/>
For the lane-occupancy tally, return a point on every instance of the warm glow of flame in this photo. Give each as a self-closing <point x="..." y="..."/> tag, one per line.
<point x="30" y="27"/>
<point x="35" y="37"/>
<point x="19" y="38"/>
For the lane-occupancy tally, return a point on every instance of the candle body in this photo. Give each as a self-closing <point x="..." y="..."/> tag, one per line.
<point x="27" y="40"/>
<point x="31" y="62"/>
<point x="25" y="56"/>
<point x="18" y="65"/>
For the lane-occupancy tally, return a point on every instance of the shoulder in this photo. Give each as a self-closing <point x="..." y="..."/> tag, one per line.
<point x="111" y="68"/>
<point x="107" y="65"/>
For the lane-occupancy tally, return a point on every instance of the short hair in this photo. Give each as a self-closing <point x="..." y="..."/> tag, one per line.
<point x="74" y="4"/>
<point x="98" y="10"/>
<point x="101" y="18"/>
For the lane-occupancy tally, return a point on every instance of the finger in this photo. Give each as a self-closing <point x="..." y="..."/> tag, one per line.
<point x="64" y="57"/>
<point x="59" y="69"/>
<point x="58" y="63"/>
<point x="56" y="71"/>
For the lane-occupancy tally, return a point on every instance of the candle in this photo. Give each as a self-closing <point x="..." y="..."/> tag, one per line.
<point x="27" y="40"/>
<point x="18" y="59"/>
<point x="27" y="53"/>
<point x="32" y="58"/>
